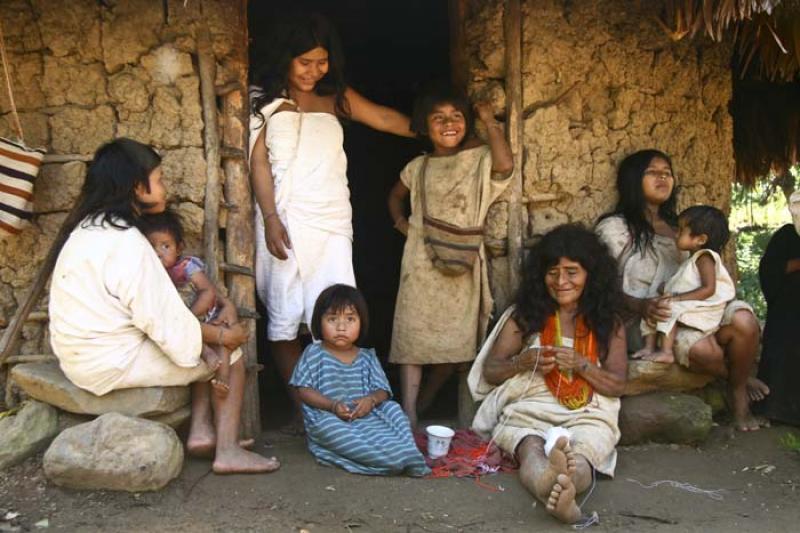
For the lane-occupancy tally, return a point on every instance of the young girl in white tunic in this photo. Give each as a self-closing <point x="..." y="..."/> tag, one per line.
<point x="303" y="227"/>
<point x="440" y="316"/>
<point x="699" y="290"/>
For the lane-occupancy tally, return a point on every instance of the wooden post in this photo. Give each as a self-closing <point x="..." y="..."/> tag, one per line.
<point x="459" y="67"/>
<point x="239" y="237"/>
<point x="512" y="30"/>
<point x="207" y="66"/>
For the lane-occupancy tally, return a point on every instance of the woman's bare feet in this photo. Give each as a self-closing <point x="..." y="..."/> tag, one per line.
<point x="660" y="356"/>
<point x="757" y="390"/>
<point x="642" y="354"/>
<point x="561" y="461"/>
<point x="205" y="448"/>
<point x="743" y="418"/>
<point x="561" y="502"/>
<point x="236" y="460"/>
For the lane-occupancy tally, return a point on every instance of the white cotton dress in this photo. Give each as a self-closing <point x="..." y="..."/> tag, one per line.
<point x="703" y="315"/>
<point x="309" y="168"/>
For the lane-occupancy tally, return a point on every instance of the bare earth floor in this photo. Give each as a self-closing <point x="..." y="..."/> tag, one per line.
<point x="759" y="479"/>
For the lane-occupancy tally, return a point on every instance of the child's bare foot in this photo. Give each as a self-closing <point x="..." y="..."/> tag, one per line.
<point x="561" y="502"/>
<point x="238" y="461"/>
<point x="221" y="377"/>
<point x="561" y="461"/>
<point x="757" y="390"/>
<point x="202" y="439"/>
<point x="661" y="356"/>
<point x="211" y="358"/>
<point x="642" y="354"/>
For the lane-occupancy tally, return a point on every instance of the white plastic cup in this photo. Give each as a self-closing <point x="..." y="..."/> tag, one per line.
<point x="439" y="438"/>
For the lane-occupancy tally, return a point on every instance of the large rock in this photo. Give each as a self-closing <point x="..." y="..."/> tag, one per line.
<point x="28" y="431"/>
<point x="175" y="419"/>
<point x="115" y="452"/>
<point x="47" y="383"/>
<point x="646" y="376"/>
<point x="664" y="417"/>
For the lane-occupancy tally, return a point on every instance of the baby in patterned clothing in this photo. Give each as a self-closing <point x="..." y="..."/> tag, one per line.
<point x="188" y="274"/>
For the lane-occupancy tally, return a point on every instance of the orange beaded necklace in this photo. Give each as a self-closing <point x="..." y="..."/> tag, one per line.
<point x="572" y="391"/>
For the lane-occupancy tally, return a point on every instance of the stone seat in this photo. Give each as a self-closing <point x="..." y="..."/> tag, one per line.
<point x="646" y="376"/>
<point x="47" y="383"/>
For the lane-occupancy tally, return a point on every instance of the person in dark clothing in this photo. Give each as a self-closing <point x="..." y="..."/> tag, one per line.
<point x="779" y="274"/>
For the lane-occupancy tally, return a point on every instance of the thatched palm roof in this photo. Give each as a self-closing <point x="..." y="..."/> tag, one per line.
<point x="766" y="32"/>
<point x="766" y="92"/>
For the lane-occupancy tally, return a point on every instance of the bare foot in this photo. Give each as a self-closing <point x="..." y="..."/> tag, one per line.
<point x="757" y="390"/>
<point x="202" y="439"/>
<point x="661" y="356"/>
<point x="205" y="448"/>
<point x="238" y="461"/>
<point x="211" y="358"/>
<point x="561" y="502"/>
<point x="743" y="419"/>
<point x="561" y="461"/>
<point x="642" y="354"/>
<point x="221" y="376"/>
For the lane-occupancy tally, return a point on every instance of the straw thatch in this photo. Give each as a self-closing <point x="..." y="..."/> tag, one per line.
<point x="766" y="32"/>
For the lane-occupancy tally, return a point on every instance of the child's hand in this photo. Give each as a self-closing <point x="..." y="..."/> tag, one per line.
<point x="485" y="112"/>
<point x="362" y="407"/>
<point x="341" y="410"/>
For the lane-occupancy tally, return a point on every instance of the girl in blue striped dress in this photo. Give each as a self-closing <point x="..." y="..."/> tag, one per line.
<point x="350" y="421"/>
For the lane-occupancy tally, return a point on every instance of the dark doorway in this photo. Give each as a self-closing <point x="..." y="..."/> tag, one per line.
<point x="391" y="49"/>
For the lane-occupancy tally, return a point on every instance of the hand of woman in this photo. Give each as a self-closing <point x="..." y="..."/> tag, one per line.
<point x="234" y="335"/>
<point x="227" y="313"/>
<point x="362" y="407"/>
<point x="277" y="237"/>
<point x="656" y="309"/>
<point x="569" y="359"/>
<point x="538" y="358"/>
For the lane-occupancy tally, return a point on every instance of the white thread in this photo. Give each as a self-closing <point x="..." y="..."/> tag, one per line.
<point x="714" y="494"/>
<point x="587" y="521"/>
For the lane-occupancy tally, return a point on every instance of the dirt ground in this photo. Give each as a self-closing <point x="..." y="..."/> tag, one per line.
<point x="757" y="477"/>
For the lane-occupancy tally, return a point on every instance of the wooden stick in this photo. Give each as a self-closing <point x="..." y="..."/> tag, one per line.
<point x="236" y="269"/>
<point x="10" y="339"/>
<point x="43" y="358"/>
<point x="66" y="158"/>
<point x="512" y="30"/>
<point x="239" y="236"/>
<point x="207" y="67"/>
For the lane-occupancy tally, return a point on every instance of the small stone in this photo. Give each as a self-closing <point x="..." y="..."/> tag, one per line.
<point x="28" y="431"/>
<point x="115" y="452"/>
<point x="47" y="383"/>
<point x="664" y="417"/>
<point x="42" y="524"/>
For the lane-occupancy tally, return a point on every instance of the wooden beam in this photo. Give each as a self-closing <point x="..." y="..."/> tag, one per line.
<point x="459" y="65"/>
<point x="512" y="32"/>
<point x="66" y="158"/>
<point x="207" y="66"/>
<point x="239" y="235"/>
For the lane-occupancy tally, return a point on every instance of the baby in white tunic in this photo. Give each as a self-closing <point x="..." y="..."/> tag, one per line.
<point x="699" y="290"/>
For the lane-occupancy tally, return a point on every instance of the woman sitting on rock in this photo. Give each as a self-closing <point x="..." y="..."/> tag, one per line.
<point x="640" y="233"/>
<point x="551" y="372"/>
<point x="117" y="321"/>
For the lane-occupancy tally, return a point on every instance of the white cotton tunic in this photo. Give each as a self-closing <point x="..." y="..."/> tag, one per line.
<point x="116" y="319"/>
<point x="309" y="169"/>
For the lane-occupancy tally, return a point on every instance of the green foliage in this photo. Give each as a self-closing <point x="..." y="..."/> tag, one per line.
<point x="755" y="215"/>
<point x="791" y="441"/>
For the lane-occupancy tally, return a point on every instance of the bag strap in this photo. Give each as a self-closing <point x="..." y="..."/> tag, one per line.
<point x="17" y="123"/>
<point x="422" y="170"/>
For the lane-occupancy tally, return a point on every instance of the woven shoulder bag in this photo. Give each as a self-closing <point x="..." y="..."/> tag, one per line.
<point x="452" y="249"/>
<point x="19" y="166"/>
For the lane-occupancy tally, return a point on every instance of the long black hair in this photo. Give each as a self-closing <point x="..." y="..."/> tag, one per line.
<point x="108" y="195"/>
<point x="601" y="301"/>
<point x="292" y="36"/>
<point x="631" y="202"/>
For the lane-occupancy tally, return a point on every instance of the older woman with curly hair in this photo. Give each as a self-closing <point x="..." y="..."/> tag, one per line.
<point x="551" y="373"/>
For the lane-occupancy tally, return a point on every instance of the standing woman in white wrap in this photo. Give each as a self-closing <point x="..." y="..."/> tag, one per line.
<point x="304" y="232"/>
